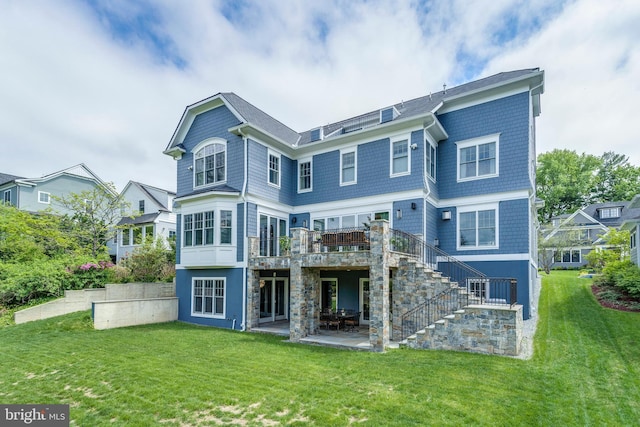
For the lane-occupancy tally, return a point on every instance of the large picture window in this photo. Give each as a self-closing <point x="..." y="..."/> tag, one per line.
<point x="478" y="158"/>
<point x="208" y="297"/>
<point x="210" y="164"/>
<point x="478" y="229"/>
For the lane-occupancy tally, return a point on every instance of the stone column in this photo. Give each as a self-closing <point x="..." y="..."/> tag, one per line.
<point x="379" y="286"/>
<point x="253" y="285"/>
<point x="298" y="308"/>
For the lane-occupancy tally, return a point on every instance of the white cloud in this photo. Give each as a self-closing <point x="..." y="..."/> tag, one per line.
<point x="73" y="92"/>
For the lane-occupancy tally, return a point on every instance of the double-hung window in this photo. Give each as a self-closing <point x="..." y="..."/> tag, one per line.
<point x="430" y="159"/>
<point x="274" y="169"/>
<point x="400" y="157"/>
<point x="478" y="158"/>
<point x="478" y="228"/>
<point x="304" y="175"/>
<point x="208" y="297"/>
<point x="210" y="164"/>
<point x="44" y="197"/>
<point x="199" y="228"/>
<point x="348" y="167"/>
<point x="225" y="227"/>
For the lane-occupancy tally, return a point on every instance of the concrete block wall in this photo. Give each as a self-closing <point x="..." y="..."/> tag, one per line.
<point x="488" y="329"/>
<point x="118" y="314"/>
<point x="80" y="300"/>
<point x="72" y="301"/>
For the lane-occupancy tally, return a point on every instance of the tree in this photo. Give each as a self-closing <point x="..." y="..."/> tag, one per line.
<point x="550" y="248"/>
<point x="26" y="237"/>
<point x="564" y="180"/>
<point x="616" y="248"/>
<point x="616" y="179"/>
<point x="94" y="215"/>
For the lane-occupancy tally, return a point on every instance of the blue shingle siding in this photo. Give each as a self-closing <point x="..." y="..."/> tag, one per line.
<point x="240" y="232"/>
<point x="386" y="115"/>
<point x="258" y="182"/>
<point x="300" y="218"/>
<point x="252" y="219"/>
<point x="212" y="123"/>
<point x="412" y="219"/>
<point x="178" y="237"/>
<point x="233" y="297"/>
<point x="513" y="230"/>
<point x="507" y="116"/>
<point x="432" y="218"/>
<point x="519" y="270"/>
<point x="373" y="173"/>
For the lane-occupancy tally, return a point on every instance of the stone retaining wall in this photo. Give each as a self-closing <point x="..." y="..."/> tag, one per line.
<point x="489" y="329"/>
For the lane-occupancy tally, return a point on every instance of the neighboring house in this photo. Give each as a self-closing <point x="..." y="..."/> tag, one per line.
<point x="579" y="233"/>
<point x="38" y="194"/>
<point x="154" y="217"/>
<point x="631" y="222"/>
<point x="453" y="169"/>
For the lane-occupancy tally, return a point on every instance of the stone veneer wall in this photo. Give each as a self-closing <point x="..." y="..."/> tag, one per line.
<point x="413" y="285"/>
<point x="476" y="328"/>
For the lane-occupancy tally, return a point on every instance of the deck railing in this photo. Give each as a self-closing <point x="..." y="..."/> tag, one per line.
<point x="338" y="240"/>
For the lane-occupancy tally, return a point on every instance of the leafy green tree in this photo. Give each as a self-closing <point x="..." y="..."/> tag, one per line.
<point x="564" y="180"/>
<point x="26" y="237"/>
<point x="616" y="248"/>
<point x="93" y="218"/>
<point x="615" y="180"/>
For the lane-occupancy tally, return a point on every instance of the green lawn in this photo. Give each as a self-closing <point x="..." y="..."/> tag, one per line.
<point x="585" y="371"/>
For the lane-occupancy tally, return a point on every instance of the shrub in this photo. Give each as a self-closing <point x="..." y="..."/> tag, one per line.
<point x="23" y="282"/>
<point x="91" y="275"/>
<point x="622" y="274"/>
<point x="150" y="262"/>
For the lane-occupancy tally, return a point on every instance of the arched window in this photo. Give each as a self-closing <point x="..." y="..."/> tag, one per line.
<point x="210" y="164"/>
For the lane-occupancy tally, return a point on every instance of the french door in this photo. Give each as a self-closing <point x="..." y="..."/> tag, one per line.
<point x="274" y="299"/>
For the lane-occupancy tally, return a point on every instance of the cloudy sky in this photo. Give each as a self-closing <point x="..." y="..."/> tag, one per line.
<point x="105" y="82"/>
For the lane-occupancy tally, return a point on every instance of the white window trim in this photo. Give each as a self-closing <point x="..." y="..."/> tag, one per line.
<point x="475" y="142"/>
<point x="279" y="157"/>
<point x="300" y="162"/>
<point x="200" y="146"/>
<point x="224" y="304"/>
<point x="217" y="209"/>
<point x="476" y="208"/>
<point x="393" y="140"/>
<point x="6" y="197"/>
<point x="353" y="150"/>
<point x="428" y="141"/>
<point x="44" y="193"/>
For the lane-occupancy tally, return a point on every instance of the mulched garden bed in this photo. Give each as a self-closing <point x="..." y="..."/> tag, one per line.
<point x="613" y="298"/>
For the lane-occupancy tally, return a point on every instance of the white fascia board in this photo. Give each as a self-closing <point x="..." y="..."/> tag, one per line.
<point x="192" y="111"/>
<point x="203" y="196"/>
<point x="263" y="137"/>
<point x="376" y="132"/>
<point x="494" y="257"/>
<point x="485" y="198"/>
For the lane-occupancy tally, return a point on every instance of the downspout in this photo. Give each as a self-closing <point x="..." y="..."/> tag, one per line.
<point x="426" y="185"/>
<point x="245" y="255"/>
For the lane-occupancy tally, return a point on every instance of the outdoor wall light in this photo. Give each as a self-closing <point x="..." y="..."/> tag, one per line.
<point x="294" y="220"/>
<point x="190" y="168"/>
<point x="446" y="215"/>
<point x="436" y="242"/>
<point x="413" y="206"/>
<point x="399" y="214"/>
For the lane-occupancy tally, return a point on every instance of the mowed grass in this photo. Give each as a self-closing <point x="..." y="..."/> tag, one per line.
<point x="585" y="371"/>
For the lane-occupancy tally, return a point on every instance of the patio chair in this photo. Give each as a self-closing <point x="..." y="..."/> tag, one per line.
<point x="352" y="323"/>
